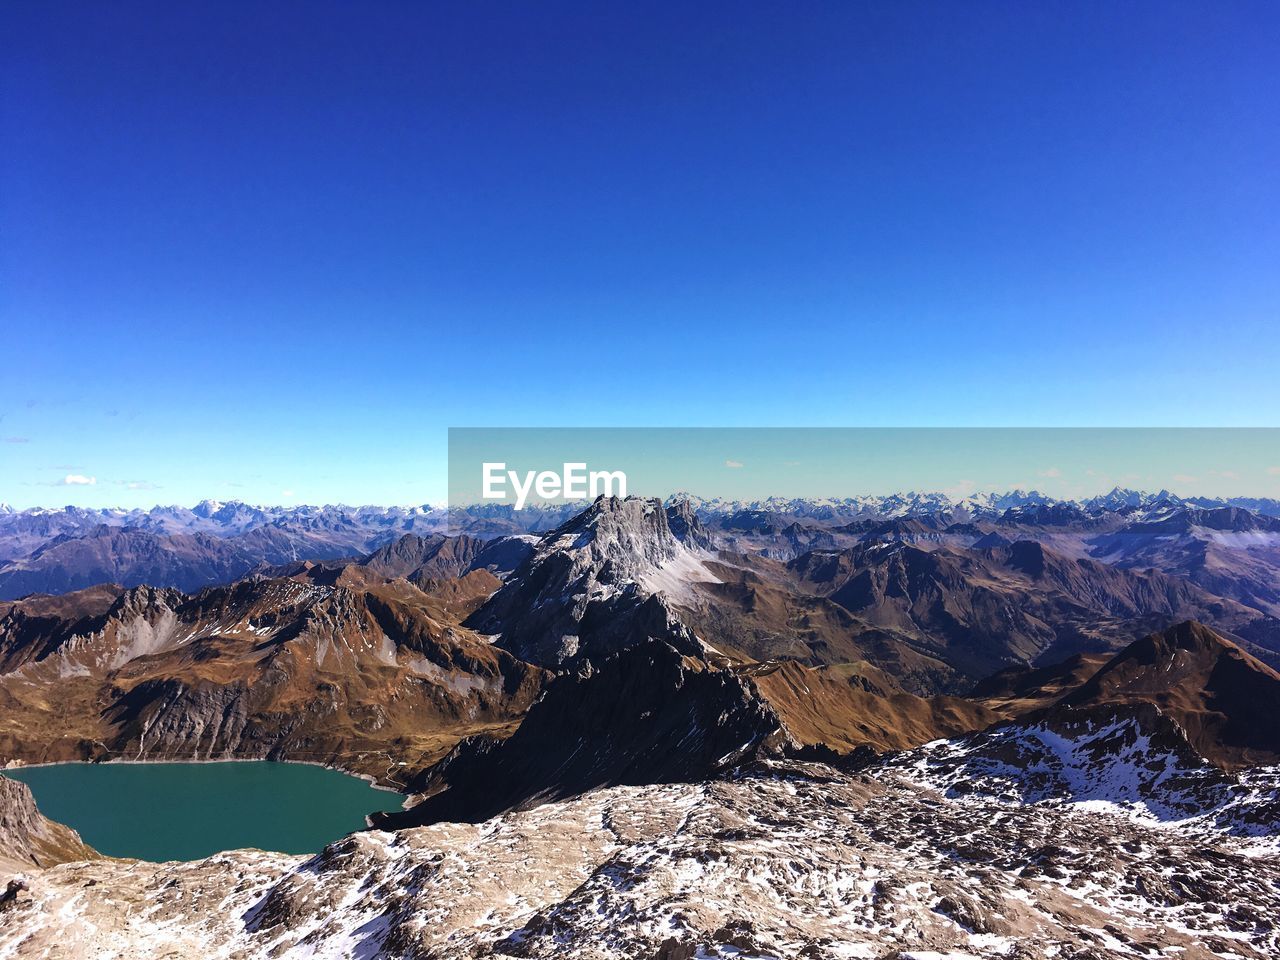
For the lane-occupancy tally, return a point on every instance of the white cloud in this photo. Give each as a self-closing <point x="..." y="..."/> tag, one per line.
<point x="78" y="480"/>
<point x="286" y="493"/>
<point x="733" y="464"/>
<point x="1274" y="471"/>
<point x="1185" y="478"/>
<point x="1050" y="473"/>
<point x="960" y="490"/>
<point x="140" y="485"/>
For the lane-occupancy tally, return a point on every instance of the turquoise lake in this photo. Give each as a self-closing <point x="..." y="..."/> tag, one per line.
<point x="181" y="811"/>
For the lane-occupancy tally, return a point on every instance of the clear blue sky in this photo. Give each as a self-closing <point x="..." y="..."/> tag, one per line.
<point x="273" y="250"/>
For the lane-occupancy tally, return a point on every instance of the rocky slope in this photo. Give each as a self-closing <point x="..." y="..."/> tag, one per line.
<point x="375" y="678"/>
<point x="1131" y="762"/>
<point x="415" y="557"/>
<point x="981" y="609"/>
<point x="846" y="709"/>
<point x="1229" y="551"/>
<point x="1019" y="690"/>
<point x="649" y="714"/>
<point x="755" y="612"/>
<point x="646" y="714"/>
<point x="28" y="839"/>
<point x="1219" y="696"/>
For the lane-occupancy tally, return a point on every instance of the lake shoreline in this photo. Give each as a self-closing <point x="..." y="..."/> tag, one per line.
<point x="372" y="781"/>
<point x="182" y="810"/>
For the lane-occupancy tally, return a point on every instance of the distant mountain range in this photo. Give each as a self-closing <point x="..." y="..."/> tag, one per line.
<point x="351" y="529"/>
<point x="231" y="517"/>
<point x="54" y="551"/>
<point x="974" y="505"/>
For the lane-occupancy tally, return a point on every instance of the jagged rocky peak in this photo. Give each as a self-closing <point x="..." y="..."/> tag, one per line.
<point x="207" y="508"/>
<point x="685" y="525"/>
<point x="615" y="538"/>
<point x="146" y="602"/>
<point x="613" y="544"/>
<point x="595" y="585"/>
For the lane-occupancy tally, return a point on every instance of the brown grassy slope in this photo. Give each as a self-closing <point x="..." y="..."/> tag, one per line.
<point x="1019" y="690"/>
<point x="1222" y="697"/>
<point x="751" y="617"/>
<point x="844" y="709"/>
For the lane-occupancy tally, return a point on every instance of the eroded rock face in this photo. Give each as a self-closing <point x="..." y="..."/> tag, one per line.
<point x="784" y="860"/>
<point x="686" y="526"/>
<point x="27" y="838"/>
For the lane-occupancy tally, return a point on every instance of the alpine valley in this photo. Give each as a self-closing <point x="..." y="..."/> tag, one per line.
<point x="881" y="727"/>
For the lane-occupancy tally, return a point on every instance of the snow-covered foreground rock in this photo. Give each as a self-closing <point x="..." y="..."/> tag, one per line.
<point x="786" y="860"/>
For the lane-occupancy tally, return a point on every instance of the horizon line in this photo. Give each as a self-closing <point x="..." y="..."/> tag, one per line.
<point x="1161" y="495"/>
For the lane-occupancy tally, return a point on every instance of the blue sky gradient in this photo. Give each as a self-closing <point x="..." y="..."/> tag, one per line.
<point x="273" y="251"/>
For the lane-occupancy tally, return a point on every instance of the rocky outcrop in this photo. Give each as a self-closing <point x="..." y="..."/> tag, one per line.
<point x="29" y="839"/>
<point x="1131" y="760"/>
<point x="646" y="714"/>
<point x="687" y="527"/>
